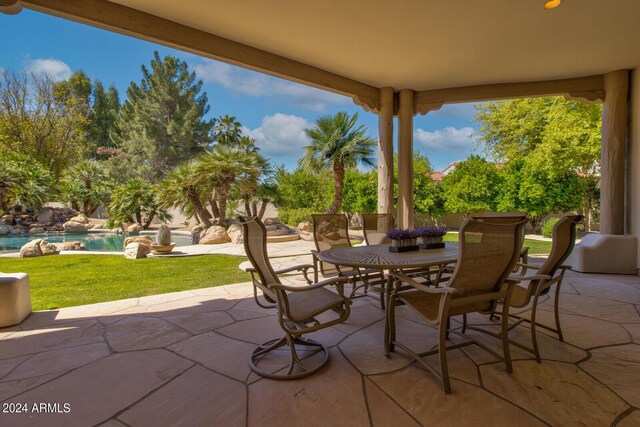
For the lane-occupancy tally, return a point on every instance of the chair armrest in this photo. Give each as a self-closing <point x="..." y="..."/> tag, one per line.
<point x="565" y="267"/>
<point x="250" y="270"/>
<point x="413" y="283"/>
<point x="529" y="278"/>
<point x="331" y="281"/>
<point x="522" y="264"/>
<point x="300" y="267"/>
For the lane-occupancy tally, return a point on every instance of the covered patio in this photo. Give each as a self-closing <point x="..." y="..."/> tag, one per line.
<point x="181" y="359"/>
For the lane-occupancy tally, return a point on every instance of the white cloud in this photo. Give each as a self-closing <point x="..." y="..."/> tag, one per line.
<point x="280" y="135"/>
<point x="255" y="84"/>
<point x="56" y="69"/>
<point x="448" y="139"/>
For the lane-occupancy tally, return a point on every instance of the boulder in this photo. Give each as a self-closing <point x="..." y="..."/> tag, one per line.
<point x="37" y="247"/>
<point x="47" y="248"/>
<point x="235" y="233"/>
<point x="136" y="251"/>
<point x="6" y="220"/>
<point x="82" y="219"/>
<point x="5" y="229"/>
<point x="305" y="226"/>
<point x="47" y="216"/>
<point x="69" y="246"/>
<point x="143" y="240"/>
<point x="305" y="235"/>
<point x="134" y="228"/>
<point x="75" y="227"/>
<point x="31" y="249"/>
<point x="214" y="235"/>
<point x="37" y="230"/>
<point x="272" y="221"/>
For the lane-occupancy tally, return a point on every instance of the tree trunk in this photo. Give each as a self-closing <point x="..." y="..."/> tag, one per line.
<point x="215" y="210"/>
<point x="152" y="215"/>
<point x="338" y="187"/>
<point x="200" y="210"/>
<point x="247" y="208"/>
<point x="196" y="217"/>
<point x="263" y="208"/>
<point x="139" y="217"/>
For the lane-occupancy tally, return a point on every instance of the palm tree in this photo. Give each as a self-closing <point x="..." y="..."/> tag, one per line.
<point x="337" y="144"/>
<point x="227" y="130"/>
<point x="220" y="168"/>
<point x="135" y="201"/>
<point x="87" y="186"/>
<point x="181" y="188"/>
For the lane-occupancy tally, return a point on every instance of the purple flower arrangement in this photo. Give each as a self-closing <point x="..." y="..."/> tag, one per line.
<point x="402" y="234"/>
<point x="431" y="231"/>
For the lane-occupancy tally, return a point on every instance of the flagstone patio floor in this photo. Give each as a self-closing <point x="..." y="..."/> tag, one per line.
<point x="180" y="359"/>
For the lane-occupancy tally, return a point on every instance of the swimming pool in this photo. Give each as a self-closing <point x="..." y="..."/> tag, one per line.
<point x="101" y="242"/>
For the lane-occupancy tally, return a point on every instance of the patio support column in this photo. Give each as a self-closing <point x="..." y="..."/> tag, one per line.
<point x="613" y="153"/>
<point x="385" y="151"/>
<point x="405" y="159"/>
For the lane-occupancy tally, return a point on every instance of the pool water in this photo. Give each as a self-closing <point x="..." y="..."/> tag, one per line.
<point x="101" y="242"/>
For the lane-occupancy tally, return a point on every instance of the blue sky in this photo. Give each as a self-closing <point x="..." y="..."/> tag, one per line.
<point x="275" y="112"/>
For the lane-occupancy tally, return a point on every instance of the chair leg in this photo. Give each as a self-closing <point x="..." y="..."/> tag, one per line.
<point x="442" y="354"/>
<point x="390" y="327"/>
<point x="448" y="323"/>
<point x="294" y="359"/>
<point x="556" y="306"/>
<point x="534" y="336"/>
<point x="464" y="323"/>
<point x="505" y="337"/>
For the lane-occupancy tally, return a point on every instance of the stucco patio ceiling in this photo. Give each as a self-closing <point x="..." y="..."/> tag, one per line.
<point x="426" y="44"/>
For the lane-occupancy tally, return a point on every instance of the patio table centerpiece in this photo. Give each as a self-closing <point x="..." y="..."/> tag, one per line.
<point x="403" y="240"/>
<point x="431" y="237"/>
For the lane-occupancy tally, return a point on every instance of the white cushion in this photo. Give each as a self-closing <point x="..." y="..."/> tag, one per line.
<point x="15" y="298"/>
<point x="605" y="253"/>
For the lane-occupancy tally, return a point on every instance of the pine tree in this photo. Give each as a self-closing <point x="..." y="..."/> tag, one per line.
<point x="162" y="122"/>
<point x="104" y="112"/>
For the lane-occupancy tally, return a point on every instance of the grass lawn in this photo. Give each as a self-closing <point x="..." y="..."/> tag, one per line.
<point x="536" y="247"/>
<point x="67" y="280"/>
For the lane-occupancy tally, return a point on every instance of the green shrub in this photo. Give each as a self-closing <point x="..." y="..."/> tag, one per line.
<point x="293" y="217"/>
<point x="547" y="227"/>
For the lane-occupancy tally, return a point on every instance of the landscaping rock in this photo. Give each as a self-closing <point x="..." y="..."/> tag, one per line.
<point x="75" y="227"/>
<point x="214" y="235"/>
<point x="47" y="248"/>
<point x="305" y="226"/>
<point x="82" y="219"/>
<point x="46" y="217"/>
<point x="143" y="240"/>
<point x="6" y="220"/>
<point x="69" y="246"/>
<point x="37" y="230"/>
<point x="305" y="235"/>
<point x="235" y="233"/>
<point x="31" y="249"/>
<point x="5" y="229"/>
<point x="136" y="251"/>
<point x="272" y="221"/>
<point x="134" y="228"/>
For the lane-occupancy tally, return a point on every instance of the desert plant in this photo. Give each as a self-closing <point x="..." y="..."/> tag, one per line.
<point x="547" y="227"/>
<point x="164" y="235"/>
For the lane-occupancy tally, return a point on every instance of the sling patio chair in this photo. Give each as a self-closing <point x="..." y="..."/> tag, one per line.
<point x="297" y="307"/>
<point x="498" y="217"/>
<point x="332" y="231"/>
<point x="532" y="287"/>
<point x="487" y="254"/>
